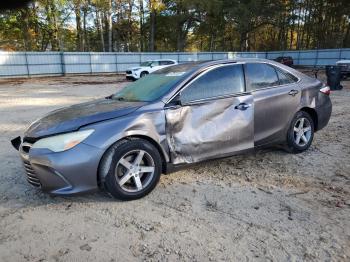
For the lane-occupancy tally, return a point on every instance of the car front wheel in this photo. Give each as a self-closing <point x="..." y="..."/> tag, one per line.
<point x="134" y="169"/>
<point x="300" y="133"/>
<point x="143" y="74"/>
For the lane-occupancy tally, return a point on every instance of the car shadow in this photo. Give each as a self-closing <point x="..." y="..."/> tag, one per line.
<point x="27" y="196"/>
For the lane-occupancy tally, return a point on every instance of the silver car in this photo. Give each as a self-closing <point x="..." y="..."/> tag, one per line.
<point x="176" y="116"/>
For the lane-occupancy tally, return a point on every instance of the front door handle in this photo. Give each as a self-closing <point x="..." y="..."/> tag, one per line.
<point x="293" y="92"/>
<point x="242" y="106"/>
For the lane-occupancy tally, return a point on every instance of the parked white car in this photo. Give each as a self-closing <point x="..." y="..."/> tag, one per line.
<point x="148" y="67"/>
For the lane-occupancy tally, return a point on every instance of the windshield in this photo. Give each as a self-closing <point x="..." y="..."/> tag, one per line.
<point x="153" y="86"/>
<point x="146" y="89"/>
<point x="148" y="63"/>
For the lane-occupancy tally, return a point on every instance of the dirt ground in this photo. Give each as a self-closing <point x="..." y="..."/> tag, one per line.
<point x="267" y="205"/>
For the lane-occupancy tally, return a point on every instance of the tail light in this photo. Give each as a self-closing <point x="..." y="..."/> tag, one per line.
<point x="325" y="90"/>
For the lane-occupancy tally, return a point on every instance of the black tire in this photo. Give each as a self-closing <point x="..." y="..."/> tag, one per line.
<point x="144" y="73"/>
<point x="114" y="155"/>
<point x="292" y="145"/>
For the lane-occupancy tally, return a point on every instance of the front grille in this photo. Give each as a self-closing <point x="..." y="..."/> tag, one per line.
<point x="344" y="67"/>
<point x="31" y="176"/>
<point x="30" y="140"/>
<point x="129" y="72"/>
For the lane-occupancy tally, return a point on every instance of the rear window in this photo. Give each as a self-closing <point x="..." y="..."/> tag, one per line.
<point x="260" y="75"/>
<point x="285" y="77"/>
<point x="166" y="62"/>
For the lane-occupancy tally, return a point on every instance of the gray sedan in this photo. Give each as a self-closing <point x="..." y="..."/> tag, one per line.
<point x="179" y="115"/>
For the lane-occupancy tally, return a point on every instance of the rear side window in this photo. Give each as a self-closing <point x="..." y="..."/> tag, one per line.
<point x="163" y="62"/>
<point x="285" y="78"/>
<point x="166" y="62"/>
<point x="217" y="82"/>
<point x="260" y="75"/>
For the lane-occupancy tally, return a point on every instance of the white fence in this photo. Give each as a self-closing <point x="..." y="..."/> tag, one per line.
<point x="18" y="64"/>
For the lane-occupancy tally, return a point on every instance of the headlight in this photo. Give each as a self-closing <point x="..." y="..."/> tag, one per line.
<point x="63" y="142"/>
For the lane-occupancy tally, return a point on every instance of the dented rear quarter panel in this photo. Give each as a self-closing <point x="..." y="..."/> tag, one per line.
<point x="314" y="99"/>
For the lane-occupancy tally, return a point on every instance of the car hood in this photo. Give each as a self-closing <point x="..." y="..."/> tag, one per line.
<point x="73" y="117"/>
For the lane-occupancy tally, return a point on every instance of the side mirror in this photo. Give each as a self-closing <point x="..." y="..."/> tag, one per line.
<point x="177" y="100"/>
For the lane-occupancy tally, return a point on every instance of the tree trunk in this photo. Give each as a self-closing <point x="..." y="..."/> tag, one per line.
<point x="100" y="29"/>
<point x="52" y="25"/>
<point x="85" y="38"/>
<point x="129" y="33"/>
<point x="25" y="29"/>
<point x="142" y="19"/>
<point x="78" y="26"/>
<point x="152" y="31"/>
<point x="110" y="26"/>
<point x="243" y="41"/>
<point x="346" y="39"/>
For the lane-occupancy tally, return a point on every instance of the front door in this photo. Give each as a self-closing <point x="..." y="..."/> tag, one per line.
<point x="214" y="119"/>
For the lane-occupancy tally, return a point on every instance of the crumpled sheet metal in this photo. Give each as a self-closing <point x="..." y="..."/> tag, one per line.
<point x="208" y="130"/>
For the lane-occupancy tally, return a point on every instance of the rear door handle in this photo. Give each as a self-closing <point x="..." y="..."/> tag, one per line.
<point x="242" y="106"/>
<point x="293" y="92"/>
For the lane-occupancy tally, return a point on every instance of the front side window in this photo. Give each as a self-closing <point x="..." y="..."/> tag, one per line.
<point x="260" y="75"/>
<point x="225" y="80"/>
<point x="155" y="63"/>
<point x="147" y="63"/>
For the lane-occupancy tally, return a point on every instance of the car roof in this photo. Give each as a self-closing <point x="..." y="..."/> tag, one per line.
<point x="343" y="62"/>
<point x="228" y="61"/>
<point x="193" y="66"/>
<point x="160" y="60"/>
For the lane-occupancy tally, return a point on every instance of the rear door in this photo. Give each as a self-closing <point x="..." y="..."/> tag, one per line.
<point x="214" y="119"/>
<point x="276" y="98"/>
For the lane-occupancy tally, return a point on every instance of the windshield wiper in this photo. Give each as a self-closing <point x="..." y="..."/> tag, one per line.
<point x="120" y="98"/>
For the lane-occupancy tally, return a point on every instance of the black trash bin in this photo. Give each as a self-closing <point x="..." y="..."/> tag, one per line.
<point x="333" y="74"/>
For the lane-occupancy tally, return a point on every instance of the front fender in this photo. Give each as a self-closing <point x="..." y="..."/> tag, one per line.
<point x="149" y="124"/>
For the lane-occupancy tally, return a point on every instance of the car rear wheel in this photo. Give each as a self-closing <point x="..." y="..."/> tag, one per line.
<point x="134" y="170"/>
<point x="143" y="74"/>
<point x="300" y="133"/>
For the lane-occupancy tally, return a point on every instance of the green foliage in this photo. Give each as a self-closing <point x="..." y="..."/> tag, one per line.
<point x="176" y="25"/>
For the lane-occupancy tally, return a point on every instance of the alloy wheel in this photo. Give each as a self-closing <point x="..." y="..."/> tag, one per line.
<point x="135" y="171"/>
<point x="302" y="131"/>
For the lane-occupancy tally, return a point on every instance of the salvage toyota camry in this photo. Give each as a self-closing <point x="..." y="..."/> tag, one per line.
<point x="179" y="115"/>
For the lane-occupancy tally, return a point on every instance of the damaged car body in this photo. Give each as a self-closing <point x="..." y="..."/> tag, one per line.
<point x="179" y="115"/>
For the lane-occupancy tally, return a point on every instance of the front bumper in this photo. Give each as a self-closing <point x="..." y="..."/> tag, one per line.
<point x="132" y="76"/>
<point x="64" y="173"/>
